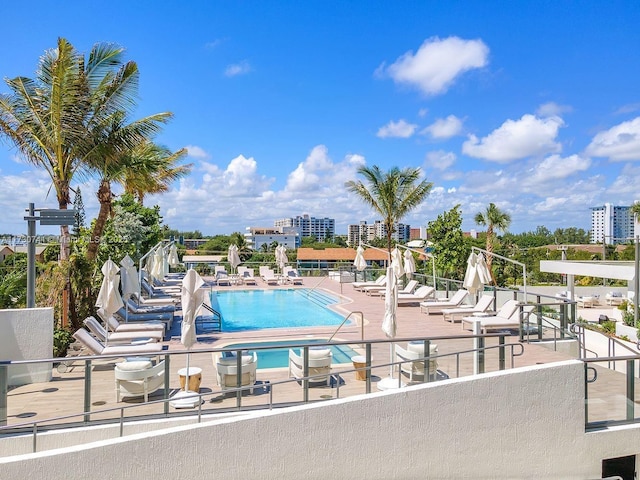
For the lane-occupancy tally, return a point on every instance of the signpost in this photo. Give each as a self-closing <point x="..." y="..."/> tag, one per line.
<point x="47" y="217"/>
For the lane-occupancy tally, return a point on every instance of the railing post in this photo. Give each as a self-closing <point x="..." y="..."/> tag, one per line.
<point x="305" y="382"/>
<point x="427" y="361"/>
<point x="630" y="389"/>
<point x="167" y="379"/>
<point x="368" y="370"/>
<point x="238" y="379"/>
<point x="87" y="391"/>
<point x="501" y="352"/>
<point x="586" y="395"/>
<point x="4" y="390"/>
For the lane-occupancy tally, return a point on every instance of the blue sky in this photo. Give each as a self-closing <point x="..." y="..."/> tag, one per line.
<point x="534" y="106"/>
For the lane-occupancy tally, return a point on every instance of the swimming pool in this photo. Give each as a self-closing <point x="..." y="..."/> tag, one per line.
<point x="279" y="357"/>
<point x="277" y="308"/>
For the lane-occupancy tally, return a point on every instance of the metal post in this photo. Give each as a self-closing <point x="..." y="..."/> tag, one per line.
<point x="4" y="390"/>
<point x="31" y="257"/>
<point x="368" y="364"/>
<point x="476" y="348"/>
<point x="636" y="286"/>
<point x="630" y="389"/>
<point x="501" y="353"/>
<point x="305" y="373"/>
<point x="87" y="391"/>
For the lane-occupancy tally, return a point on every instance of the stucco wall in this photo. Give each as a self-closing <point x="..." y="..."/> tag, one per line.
<point x="27" y="334"/>
<point x="523" y="423"/>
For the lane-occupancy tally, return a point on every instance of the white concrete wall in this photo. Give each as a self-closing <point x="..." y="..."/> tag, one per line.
<point x="27" y="334"/>
<point x="522" y="423"/>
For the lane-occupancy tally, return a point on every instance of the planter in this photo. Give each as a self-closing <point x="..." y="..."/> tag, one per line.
<point x="624" y="330"/>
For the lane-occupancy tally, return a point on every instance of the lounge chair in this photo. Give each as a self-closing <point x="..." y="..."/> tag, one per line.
<point x="102" y="335"/>
<point x="293" y="277"/>
<point x="418" y="296"/>
<point x="222" y="278"/>
<point x="319" y="365"/>
<point x="499" y="322"/>
<point x="412" y="360"/>
<point x="379" y="282"/>
<point x="138" y="378"/>
<point x="158" y="301"/>
<point x="166" y="317"/>
<point x="133" y="308"/>
<point x="587" y="301"/>
<point x="247" y="277"/>
<point x="227" y="368"/>
<point x="97" y="348"/>
<point x="614" y="298"/>
<point x="268" y="276"/>
<point x="456" y="313"/>
<point x="116" y="326"/>
<point x="437" y="306"/>
<point x="407" y="290"/>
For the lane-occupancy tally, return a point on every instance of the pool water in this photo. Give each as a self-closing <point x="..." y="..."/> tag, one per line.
<point x="279" y="357"/>
<point x="278" y="308"/>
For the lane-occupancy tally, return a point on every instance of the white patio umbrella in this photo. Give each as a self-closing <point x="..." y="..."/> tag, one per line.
<point x="165" y="262"/>
<point x="477" y="274"/>
<point x="109" y="299"/>
<point x="396" y="262"/>
<point x="233" y="257"/>
<point x="389" y="324"/>
<point x="483" y="270"/>
<point x="172" y="258"/>
<point x="409" y="264"/>
<point x="157" y="270"/>
<point x="359" y="262"/>
<point x="191" y="298"/>
<point x="281" y="256"/>
<point x="129" y="281"/>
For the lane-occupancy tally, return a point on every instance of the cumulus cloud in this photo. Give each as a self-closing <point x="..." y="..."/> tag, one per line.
<point x="555" y="167"/>
<point x="423" y="112"/>
<point x="197" y="152"/>
<point x="437" y="63"/>
<point x="399" y="129"/>
<point x="236" y="69"/>
<point x="620" y="142"/>
<point x="516" y="139"/>
<point x="444" y="128"/>
<point x="440" y="159"/>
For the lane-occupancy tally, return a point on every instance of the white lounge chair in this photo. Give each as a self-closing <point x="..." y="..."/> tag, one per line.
<point x="437" y="306"/>
<point x="120" y="337"/>
<point x="498" y="322"/>
<point x="227" y="370"/>
<point x="268" y="276"/>
<point x="293" y="277"/>
<point x="319" y="365"/>
<point x="115" y="326"/>
<point x="378" y="282"/>
<point x="138" y="378"/>
<point x="409" y="289"/>
<point x="614" y="298"/>
<point x="456" y="313"/>
<point x="418" y="296"/>
<point x="97" y="348"/>
<point x="412" y="360"/>
<point x="247" y="277"/>
<point x="222" y="278"/>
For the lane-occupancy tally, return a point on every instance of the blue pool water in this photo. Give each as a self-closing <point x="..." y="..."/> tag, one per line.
<point x="278" y="308"/>
<point x="279" y="357"/>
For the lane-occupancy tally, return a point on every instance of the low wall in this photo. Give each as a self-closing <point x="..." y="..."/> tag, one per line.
<point x="27" y="334"/>
<point x="522" y="423"/>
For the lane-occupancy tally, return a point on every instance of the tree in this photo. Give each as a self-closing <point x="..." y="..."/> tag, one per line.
<point x="494" y="219"/>
<point x="78" y="207"/>
<point x="392" y="194"/>
<point x="53" y="119"/>
<point x="450" y="249"/>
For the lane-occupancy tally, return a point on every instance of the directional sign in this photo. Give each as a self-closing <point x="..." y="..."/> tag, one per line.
<point x="57" y="217"/>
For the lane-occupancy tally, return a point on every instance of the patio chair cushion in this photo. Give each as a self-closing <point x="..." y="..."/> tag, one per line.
<point x="133" y="366"/>
<point x="231" y="360"/>
<point x="319" y="352"/>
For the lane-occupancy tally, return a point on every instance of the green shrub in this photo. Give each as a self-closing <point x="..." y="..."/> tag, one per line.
<point x="62" y="338"/>
<point x="608" y="327"/>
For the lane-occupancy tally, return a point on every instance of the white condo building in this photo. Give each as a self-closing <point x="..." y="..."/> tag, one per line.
<point x="612" y="224"/>
<point x="320" y="228"/>
<point x="365" y="232"/>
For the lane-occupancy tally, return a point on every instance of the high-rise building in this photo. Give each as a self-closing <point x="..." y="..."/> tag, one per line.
<point x="364" y="232"/>
<point x="612" y="224"/>
<point x="256" y="237"/>
<point x="321" y="228"/>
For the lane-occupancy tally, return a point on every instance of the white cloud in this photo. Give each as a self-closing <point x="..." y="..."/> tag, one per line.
<point x="399" y="129"/>
<point x="552" y="109"/>
<point x="236" y="69"/>
<point x="620" y="142"/>
<point x="423" y="112"/>
<point x="555" y="167"/>
<point x="437" y="63"/>
<point x="516" y="139"/>
<point x="214" y="43"/>
<point x="197" y="152"/>
<point x="444" y="128"/>
<point x="440" y="159"/>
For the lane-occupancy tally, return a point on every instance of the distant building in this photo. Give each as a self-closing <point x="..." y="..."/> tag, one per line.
<point x="320" y="228"/>
<point x="612" y="224"/>
<point x="364" y="232"/>
<point x="256" y="237"/>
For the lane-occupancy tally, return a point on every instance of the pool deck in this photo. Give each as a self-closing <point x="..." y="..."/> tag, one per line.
<point x="64" y="393"/>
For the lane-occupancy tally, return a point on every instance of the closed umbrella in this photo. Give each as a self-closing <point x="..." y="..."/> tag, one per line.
<point x="129" y="277"/>
<point x="409" y="264"/>
<point x="389" y="324"/>
<point x="483" y="270"/>
<point x="471" y="280"/>
<point x="360" y="263"/>
<point x="233" y="257"/>
<point x="157" y="268"/>
<point x="281" y="256"/>
<point x="396" y="262"/>
<point x="109" y="299"/>
<point x="172" y="258"/>
<point x="192" y="297"/>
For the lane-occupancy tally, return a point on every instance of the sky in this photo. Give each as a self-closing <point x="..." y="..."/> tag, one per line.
<point x="531" y="105"/>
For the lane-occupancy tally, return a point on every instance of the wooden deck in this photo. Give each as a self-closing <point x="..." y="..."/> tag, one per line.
<point x="64" y="394"/>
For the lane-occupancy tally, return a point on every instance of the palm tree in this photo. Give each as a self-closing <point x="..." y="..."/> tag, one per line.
<point x="494" y="219"/>
<point x="392" y="194"/>
<point x="52" y="118"/>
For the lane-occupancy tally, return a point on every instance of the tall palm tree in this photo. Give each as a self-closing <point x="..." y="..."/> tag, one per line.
<point x="392" y="194"/>
<point x="51" y="119"/>
<point x="494" y="219"/>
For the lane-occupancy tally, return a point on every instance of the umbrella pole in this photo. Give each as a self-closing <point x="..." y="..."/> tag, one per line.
<point x="391" y="350"/>
<point x="186" y="381"/>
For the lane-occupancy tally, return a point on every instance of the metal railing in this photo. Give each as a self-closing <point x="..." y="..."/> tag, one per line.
<point x="345" y="321"/>
<point x="95" y="416"/>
